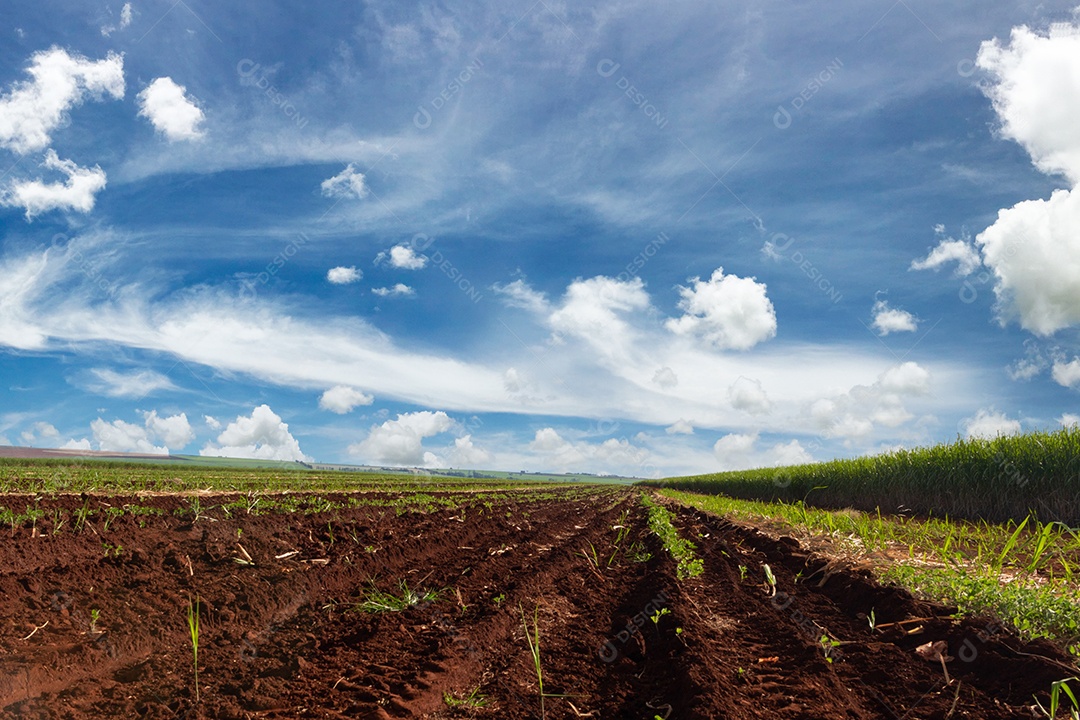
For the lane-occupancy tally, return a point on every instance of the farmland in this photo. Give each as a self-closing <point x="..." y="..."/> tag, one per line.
<point x="143" y="591"/>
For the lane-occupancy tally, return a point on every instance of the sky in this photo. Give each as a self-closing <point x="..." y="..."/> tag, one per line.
<point x="631" y="238"/>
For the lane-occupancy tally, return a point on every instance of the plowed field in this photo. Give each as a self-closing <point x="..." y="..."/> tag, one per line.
<point x="284" y="632"/>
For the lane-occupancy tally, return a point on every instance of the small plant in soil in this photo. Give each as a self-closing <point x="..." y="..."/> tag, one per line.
<point x="1057" y="690"/>
<point x="8" y="517"/>
<point x="638" y="554"/>
<point x="473" y="700"/>
<point x="655" y="617"/>
<point x="82" y="515"/>
<point x="743" y="570"/>
<point x="534" y="650"/>
<point x="58" y="521"/>
<point x="95" y="615"/>
<point x="111" y="513"/>
<point x="770" y="580"/>
<point x="378" y="601"/>
<point x="193" y="630"/>
<point x="827" y="646"/>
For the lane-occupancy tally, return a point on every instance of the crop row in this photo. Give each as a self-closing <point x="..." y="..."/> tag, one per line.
<point x="1006" y="478"/>
<point x="1027" y="574"/>
<point x="50" y="476"/>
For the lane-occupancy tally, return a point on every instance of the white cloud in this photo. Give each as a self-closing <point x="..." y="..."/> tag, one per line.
<point x="609" y="457"/>
<point x="175" y="431"/>
<point x="739" y="451"/>
<point x="1027" y="367"/>
<point x="1034" y="251"/>
<point x="398" y="290"/>
<point x="400" y="441"/>
<point x="520" y="295"/>
<point x="38" y="433"/>
<point x="341" y="399"/>
<point x="80" y="444"/>
<point x="1034" y="247"/>
<point x="32" y="109"/>
<point x="733" y="451"/>
<point x="405" y="258"/>
<point x="908" y="378"/>
<point x="134" y="384"/>
<point x="262" y="436"/>
<point x="747" y="394"/>
<point x="170" y="110"/>
<point x="1035" y="95"/>
<point x="512" y="381"/>
<point x="343" y="275"/>
<point x="990" y="424"/>
<point x="1069" y="420"/>
<point x="681" y="427"/>
<point x="125" y="21"/>
<point x="212" y="422"/>
<point x="729" y="312"/>
<point x="889" y="320"/>
<point x="1067" y="374"/>
<point x="465" y="454"/>
<point x="346" y="184"/>
<point x="855" y="414"/>
<point x="592" y="310"/>
<point x="120" y="436"/>
<point x="77" y="192"/>
<point x="665" y="377"/>
<point x="962" y="252"/>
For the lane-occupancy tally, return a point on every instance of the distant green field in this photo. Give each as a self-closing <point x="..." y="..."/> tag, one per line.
<point x="107" y="476"/>
<point x="997" y="480"/>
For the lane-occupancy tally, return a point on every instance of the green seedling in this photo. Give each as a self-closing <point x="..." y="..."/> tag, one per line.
<point x="534" y="650"/>
<point x="473" y="700"/>
<point x="743" y="570"/>
<point x="1057" y="690"/>
<point x="95" y="615"/>
<point x="82" y="515"/>
<point x="8" y="517"/>
<point x="377" y="601"/>
<point x="111" y="513"/>
<point x="828" y="645"/>
<point x="58" y="521"/>
<point x="872" y="619"/>
<point x="193" y="630"/>
<point x="655" y="617"/>
<point x="770" y="580"/>
<point x="499" y="598"/>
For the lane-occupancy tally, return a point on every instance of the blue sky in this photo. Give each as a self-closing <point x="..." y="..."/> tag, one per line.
<point x="633" y="238"/>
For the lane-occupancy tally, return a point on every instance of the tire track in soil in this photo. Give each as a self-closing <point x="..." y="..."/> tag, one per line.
<point x="280" y="641"/>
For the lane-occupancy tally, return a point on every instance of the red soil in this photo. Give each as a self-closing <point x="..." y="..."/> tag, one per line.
<point x="282" y="639"/>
